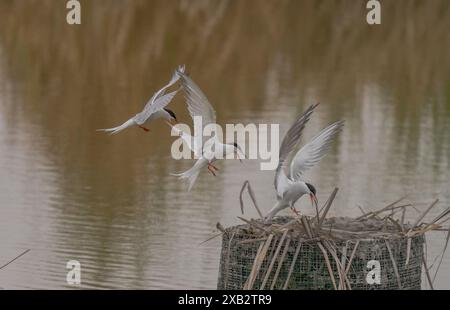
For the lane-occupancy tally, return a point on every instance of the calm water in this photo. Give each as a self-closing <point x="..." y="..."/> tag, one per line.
<point x="68" y="192"/>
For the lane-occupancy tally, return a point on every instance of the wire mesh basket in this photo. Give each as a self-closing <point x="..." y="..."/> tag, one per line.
<point x="342" y="259"/>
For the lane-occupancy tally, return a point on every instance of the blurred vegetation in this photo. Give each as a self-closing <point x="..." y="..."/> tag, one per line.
<point x="121" y="42"/>
<point x="92" y="75"/>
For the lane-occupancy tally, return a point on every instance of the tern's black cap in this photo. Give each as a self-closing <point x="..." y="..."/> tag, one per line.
<point x="311" y="188"/>
<point x="171" y="113"/>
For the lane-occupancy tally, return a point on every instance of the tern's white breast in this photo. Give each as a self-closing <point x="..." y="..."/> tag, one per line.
<point x="294" y="191"/>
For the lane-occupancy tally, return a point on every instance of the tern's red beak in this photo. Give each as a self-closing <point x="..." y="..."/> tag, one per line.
<point x="313" y="200"/>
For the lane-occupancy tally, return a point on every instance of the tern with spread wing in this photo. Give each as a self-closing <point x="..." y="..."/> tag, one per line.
<point x="154" y="109"/>
<point x="206" y="148"/>
<point x="289" y="185"/>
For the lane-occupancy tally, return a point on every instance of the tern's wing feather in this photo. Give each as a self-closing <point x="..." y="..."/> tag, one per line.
<point x="197" y="103"/>
<point x="289" y="142"/>
<point x="159" y="93"/>
<point x="312" y="152"/>
<point x="158" y="105"/>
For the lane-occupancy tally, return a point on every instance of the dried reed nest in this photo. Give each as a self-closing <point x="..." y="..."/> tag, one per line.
<point x="304" y="252"/>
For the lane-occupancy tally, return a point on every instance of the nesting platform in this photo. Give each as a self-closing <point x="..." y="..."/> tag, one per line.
<point x="334" y="253"/>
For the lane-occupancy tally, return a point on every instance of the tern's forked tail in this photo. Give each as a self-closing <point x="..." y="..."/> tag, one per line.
<point x="118" y="129"/>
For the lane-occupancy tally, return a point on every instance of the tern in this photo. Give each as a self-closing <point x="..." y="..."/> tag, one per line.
<point x="206" y="149"/>
<point x="154" y="109"/>
<point x="290" y="186"/>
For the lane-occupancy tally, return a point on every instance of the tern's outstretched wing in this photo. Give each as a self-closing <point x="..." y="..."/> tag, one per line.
<point x="159" y="104"/>
<point x="289" y="142"/>
<point x="312" y="152"/>
<point x="198" y="105"/>
<point x="159" y="93"/>
<point x="159" y="100"/>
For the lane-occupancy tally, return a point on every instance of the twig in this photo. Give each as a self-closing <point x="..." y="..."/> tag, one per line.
<point x="444" y="221"/>
<point x="275" y="255"/>
<point x="423" y="230"/>
<point x="424" y="214"/>
<point x="258" y="262"/>
<point x="359" y="233"/>
<point x="395" y="222"/>
<point x="291" y="222"/>
<point x="280" y="263"/>
<point x="376" y="213"/>
<point x="252" y="196"/>
<point x="247" y="284"/>
<point x="210" y="238"/>
<point x="307" y="227"/>
<point x="381" y="210"/>
<point x="362" y="210"/>
<point x="342" y="277"/>
<point x="442" y="255"/>
<point x="15" y="258"/>
<point x="317" y="216"/>
<point x="253" y="224"/>
<point x="327" y="206"/>
<point x="344" y="254"/>
<point x="440" y="216"/>
<point x="425" y="250"/>
<point x="291" y="268"/>
<point x="220" y="227"/>
<point x="227" y="261"/>
<point x="402" y="220"/>
<point x="343" y="257"/>
<point x="251" y="240"/>
<point x="427" y="272"/>
<point x="327" y="261"/>
<point x="351" y="257"/>
<point x="440" y="229"/>
<point x="240" y="196"/>
<point x="394" y="264"/>
<point x="408" y="251"/>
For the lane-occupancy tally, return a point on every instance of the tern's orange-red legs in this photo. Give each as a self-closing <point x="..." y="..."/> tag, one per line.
<point x="143" y="128"/>
<point x="295" y="211"/>
<point x="213" y="169"/>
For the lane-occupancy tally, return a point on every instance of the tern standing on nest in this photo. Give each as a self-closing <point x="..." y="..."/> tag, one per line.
<point x="154" y="109"/>
<point x="290" y="186"/>
<point x="207" y="149"/>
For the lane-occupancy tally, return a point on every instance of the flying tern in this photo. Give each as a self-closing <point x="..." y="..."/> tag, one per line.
<point x="290" y="186"/>
<point x="207" y="149"/>
<point x="154" y="109"/>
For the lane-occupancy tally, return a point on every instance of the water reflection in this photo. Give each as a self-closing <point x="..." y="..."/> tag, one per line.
<point x="68" y="192"/>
